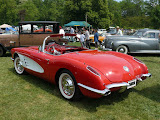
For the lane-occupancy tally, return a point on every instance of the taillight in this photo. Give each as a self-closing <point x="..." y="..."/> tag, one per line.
<point x="93" y="70"/>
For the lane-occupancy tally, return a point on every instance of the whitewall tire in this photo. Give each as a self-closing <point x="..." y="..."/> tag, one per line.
<point x="68" y="85"/>
<point x="122" y="49"/>
<point x="18" y="66"/>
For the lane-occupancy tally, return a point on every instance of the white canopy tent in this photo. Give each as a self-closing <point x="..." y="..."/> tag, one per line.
<point x="5" y="26"/>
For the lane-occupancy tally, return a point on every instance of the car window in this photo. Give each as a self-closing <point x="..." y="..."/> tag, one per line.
<point x="25" y="28"/>
<point x="38" y="28"/>
<point x="138" y="33"/>
<point x="49" y="28"/>
<point x="150" y="35"/>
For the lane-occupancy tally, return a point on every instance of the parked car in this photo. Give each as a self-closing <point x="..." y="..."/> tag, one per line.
<point x="100" y="38"/>
<point x="143" y="41"/>
<point x="100" y="31"/>
<point x="111" y="31"/>
<point x="77" y="70"/>
<point x="30" y="33"/>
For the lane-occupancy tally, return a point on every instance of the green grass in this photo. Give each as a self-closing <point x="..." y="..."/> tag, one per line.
<point x="25" y="97"/>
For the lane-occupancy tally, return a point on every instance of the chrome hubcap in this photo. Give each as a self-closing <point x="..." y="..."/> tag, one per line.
<point x="68" y="85"/>
<point x="19" y="65"/>
<point x="121" y="50"/>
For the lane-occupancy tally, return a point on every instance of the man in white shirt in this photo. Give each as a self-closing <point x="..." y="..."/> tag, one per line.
<point x="119" y="32"/>
<point x="61" y="31"/>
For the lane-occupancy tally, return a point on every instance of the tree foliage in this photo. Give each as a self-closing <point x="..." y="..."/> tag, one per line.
<point x="8" y="11"/>
<point x="96" y="11"/>
<point x="30" y="11"/>
<point x="99" y="13"/>
<point x="153" y="10"/>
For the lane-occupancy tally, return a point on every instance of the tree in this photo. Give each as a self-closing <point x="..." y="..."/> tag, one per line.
<point x="30" y="10"/>
<point x="104" y="19"/>
<point x="115" y="9"/>
<point x="133" y="14"/>
<point x="153" y="10"/>
<point x="8" y="11"/>
<point x="97" y="12"/>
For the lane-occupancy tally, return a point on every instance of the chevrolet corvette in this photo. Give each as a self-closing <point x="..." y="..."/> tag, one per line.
<point x="77" y="70"/>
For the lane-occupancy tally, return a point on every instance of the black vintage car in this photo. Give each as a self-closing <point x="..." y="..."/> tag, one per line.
<point x="143" y="41"/>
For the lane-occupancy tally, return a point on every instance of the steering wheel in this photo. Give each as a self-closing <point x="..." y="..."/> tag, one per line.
<point x="51" y="48"/>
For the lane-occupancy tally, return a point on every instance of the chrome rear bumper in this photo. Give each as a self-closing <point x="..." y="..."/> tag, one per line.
<point x="147" y="75"/>
<point x="107" y="91"/>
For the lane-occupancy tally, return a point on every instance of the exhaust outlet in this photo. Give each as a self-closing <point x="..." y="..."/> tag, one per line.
<point x="107" y="93"/>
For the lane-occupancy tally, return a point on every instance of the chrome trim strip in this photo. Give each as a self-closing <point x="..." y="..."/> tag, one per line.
<point x="139" y="79"/>
<point x="147" y="75"/>
<point x="93" y="72"/>
<point x="117" y="85"/>
<point x="109" y="49"/>
<point x="106" y="91"/>
<point x="137" y="60"/>
<point x="102" y="92"/>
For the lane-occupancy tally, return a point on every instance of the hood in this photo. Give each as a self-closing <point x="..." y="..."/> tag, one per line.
<point x="109" y="65"/>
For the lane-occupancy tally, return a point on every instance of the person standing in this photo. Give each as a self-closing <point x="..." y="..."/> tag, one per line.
<point x="72" y="32"/>
<point x="61" y="31"/>
<point x="82" y="38"/>
<point x="119" y="32"/>
<point x="87" y="39"/>
<point x="96" y="36"/>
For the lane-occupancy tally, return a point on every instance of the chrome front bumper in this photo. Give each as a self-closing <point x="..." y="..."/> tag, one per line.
<point x="107" y="91"/>
<point x="12" y="59"/>
<point x="103" y="48"/>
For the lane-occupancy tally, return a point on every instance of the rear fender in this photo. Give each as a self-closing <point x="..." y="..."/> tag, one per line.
<point x="83" y="76"/>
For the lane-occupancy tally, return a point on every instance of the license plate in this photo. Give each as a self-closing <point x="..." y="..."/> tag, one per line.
<point x="131" y="83"/>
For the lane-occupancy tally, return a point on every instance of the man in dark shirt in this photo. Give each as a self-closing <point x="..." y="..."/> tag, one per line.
<point x="96" y="36"/>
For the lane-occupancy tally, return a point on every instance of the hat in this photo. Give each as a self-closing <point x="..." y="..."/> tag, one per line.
<point x="60" y="27"/>
<point x="117" y="27"/>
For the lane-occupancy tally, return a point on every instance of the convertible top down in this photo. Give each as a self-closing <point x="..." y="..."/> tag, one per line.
<point x="76" y="69"/>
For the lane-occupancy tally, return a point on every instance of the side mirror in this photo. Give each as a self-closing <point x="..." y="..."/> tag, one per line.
<point x="39" y="49"/>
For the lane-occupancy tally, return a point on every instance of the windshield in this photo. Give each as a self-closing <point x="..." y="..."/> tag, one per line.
<point x="139" y="33"/>
<point x="111" y="31"/>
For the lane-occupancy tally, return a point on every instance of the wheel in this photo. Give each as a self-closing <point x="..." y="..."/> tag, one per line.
<point x="18" y="66"/>
<point x="122" y="49"/>
<point x="2" y="52"/>
<point x="68" y="85"/>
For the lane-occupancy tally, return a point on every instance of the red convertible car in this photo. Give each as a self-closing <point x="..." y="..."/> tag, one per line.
<point x="78" y="70"/>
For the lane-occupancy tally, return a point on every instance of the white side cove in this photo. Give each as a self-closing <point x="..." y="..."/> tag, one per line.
<point x="30" y="64"/>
